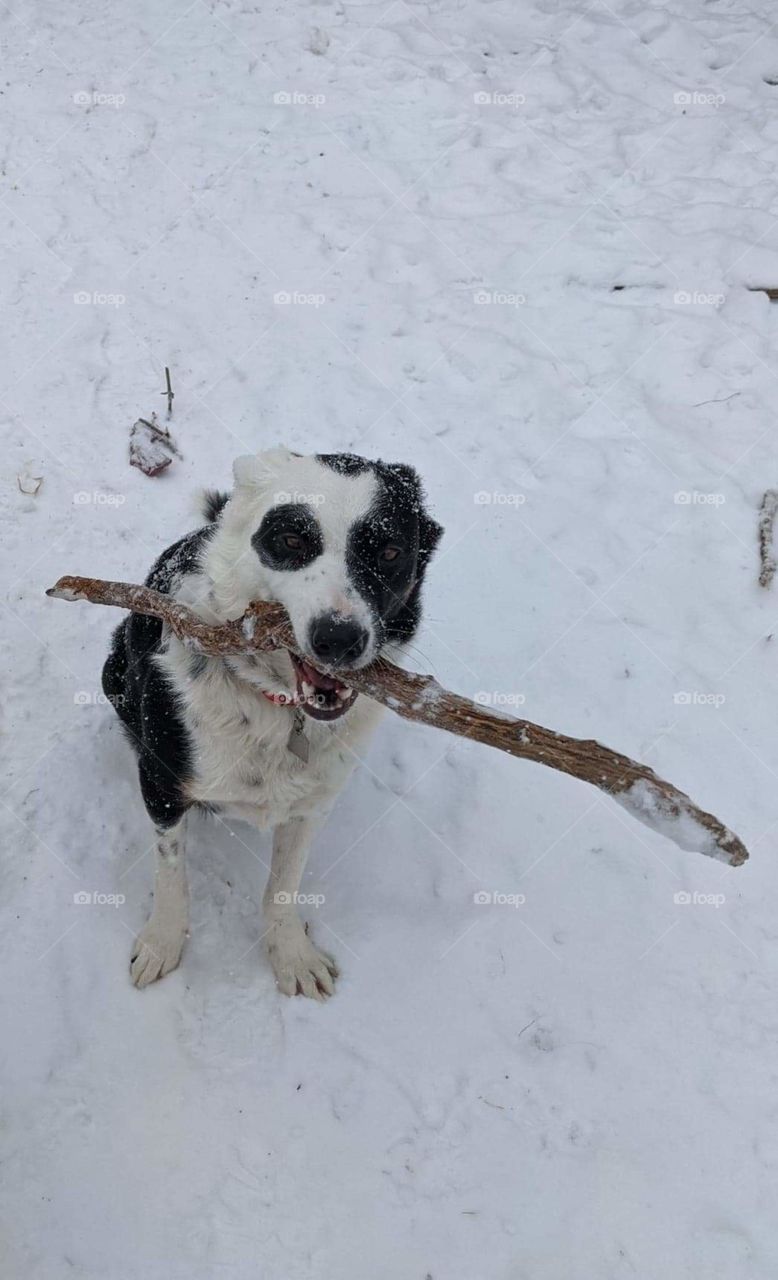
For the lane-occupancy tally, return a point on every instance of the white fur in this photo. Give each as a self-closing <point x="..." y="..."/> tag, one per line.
<point x="297" y="964"/>
<point x="158" y="947"/>
<point x="242" y="761"/>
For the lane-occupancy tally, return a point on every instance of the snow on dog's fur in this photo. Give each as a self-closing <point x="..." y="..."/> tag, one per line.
<point x="343" y="543"/>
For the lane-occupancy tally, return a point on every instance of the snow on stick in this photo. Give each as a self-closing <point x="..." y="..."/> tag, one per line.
<point x="265" y="627"/>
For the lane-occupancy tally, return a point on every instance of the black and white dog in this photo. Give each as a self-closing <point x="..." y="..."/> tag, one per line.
<point x="343" y="543"/>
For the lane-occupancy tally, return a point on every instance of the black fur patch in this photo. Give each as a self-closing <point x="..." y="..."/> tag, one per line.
<point x="346" y="464"/>
<point x="213" y="504"/>
<point x="398" y="519"/>
<point x="146" y="705"/>
<point x="297" y="519"/>
<point x="182" y="558"/>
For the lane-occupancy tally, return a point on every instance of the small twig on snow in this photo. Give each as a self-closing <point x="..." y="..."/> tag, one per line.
<point x="169" y="393"/>
<point x="718" y="400"/>
<point x="767" y="514"/>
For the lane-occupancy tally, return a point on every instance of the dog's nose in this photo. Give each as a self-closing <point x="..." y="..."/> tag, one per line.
<point x="336" y="640"/>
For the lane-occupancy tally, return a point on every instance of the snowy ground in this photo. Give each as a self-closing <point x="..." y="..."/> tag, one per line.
<point x="584" y="1084"/>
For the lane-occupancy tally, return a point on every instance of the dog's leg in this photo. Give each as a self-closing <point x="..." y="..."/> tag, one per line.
<point x="299" y="968"/>
<point x="158" y="947"/>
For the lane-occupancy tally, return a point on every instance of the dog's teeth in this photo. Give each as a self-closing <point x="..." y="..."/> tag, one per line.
<point x="345" y="693"/>
<point x="308" y="689"/>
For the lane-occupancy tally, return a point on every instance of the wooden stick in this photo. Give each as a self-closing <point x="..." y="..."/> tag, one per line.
<point x="265" y="627"/>
<point x="769" y="289"/>
<point x="169" y="392"/>
<point x="767" y="514"/>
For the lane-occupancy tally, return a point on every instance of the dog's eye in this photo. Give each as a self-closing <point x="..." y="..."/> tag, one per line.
<point x="293" y="542"/>
<point x="390" y="553"/>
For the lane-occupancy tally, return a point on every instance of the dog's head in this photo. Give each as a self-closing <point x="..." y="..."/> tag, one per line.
<point x="343" y="543"/>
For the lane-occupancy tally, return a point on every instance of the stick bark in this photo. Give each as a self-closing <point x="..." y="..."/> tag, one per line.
<point x="265" y="627"/>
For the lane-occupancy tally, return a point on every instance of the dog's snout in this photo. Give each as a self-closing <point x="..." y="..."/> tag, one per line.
<point x="337" y="641"/>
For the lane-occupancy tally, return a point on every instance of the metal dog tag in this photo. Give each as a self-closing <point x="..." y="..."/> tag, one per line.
<point x="297" y="742"/>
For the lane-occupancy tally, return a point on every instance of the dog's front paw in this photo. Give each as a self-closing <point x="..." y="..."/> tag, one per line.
<point x="300" y="969"/>
<point x="157" y="950"/>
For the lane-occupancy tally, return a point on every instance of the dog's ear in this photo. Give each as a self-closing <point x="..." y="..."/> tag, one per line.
<point x="258" y="470"/>
<point x="430" y="532"/>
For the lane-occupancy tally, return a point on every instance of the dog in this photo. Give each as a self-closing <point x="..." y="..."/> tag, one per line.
<point x="343" y="543"/>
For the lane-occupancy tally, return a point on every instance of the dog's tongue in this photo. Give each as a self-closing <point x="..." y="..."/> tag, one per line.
<point x="317" y="678"/>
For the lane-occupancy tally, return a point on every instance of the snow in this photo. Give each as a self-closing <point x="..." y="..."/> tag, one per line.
<point x="579" y="1085"/>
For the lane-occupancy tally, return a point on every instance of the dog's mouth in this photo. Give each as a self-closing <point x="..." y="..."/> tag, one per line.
<point x="321" y="696"/>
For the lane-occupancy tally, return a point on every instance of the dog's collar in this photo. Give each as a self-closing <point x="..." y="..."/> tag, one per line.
<point x="282" y="699"/>
<point x="297" y="742"/>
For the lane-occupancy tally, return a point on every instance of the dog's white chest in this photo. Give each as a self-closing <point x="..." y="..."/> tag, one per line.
<point x="260" y="761"/>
